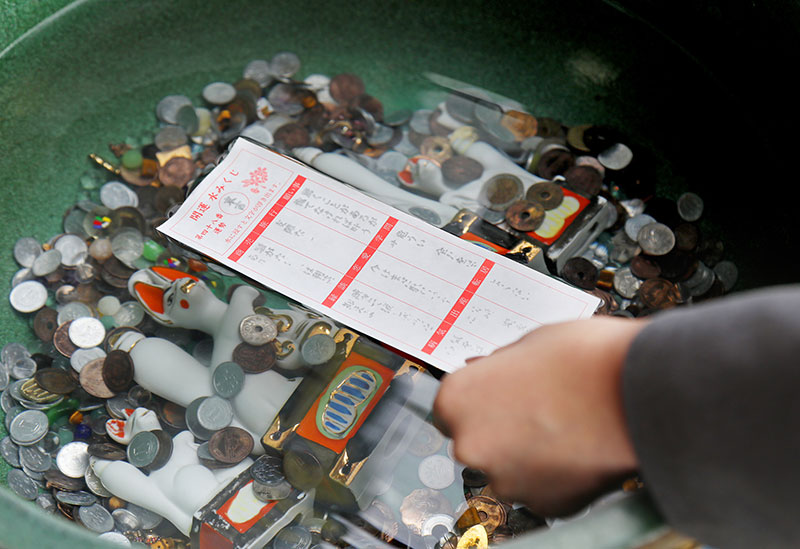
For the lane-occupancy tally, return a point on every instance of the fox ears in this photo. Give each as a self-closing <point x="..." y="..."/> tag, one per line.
<point x="149" y="285"/>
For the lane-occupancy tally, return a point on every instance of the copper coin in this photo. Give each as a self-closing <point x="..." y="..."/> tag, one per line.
<point x="302" y="469"/>
<point x="117" y="268"/>
<point x="658" y="293"/>
<point x="62" y="342"/>
<point x="166" y="197"/>
<point x="491" y="512"/>
<point x="548" y="194"/>
<point x="230" y="445"/>
<point x="135" y="177"/>
<point x="584" y="180"/>
<point x="581" y="272"/>
<point x="686" y="237"/>
<point x="346" y="88"/>
<point x="525" y="216"/>
<point x="420" y="505"/>
<point x="458" y="170"/>
<point x="437" y="148"/>
<point x="645" y="267"/>
<point x="607" y="302"/>
<point x="255" y="359"/>
<point x="547" y="127"/>
<point x="107" y="450"/>
<point x="554" y="162"/>
<point x="474" y="478"/>
<point x="117" y="371"/>
<point x="521" y="124"/>
<point x="91" y="378"/>
<point x="499" y="192"/>
<point x="58" y="480"/>
<point x="55" y="380"/>
<point x="45" y="323"/>
<point x="177" y="172"/>
<point x="677" y="265"/>
<point x="372" y="105"/>
<point x="291" y="136"/>
<point x="172" y="415"/>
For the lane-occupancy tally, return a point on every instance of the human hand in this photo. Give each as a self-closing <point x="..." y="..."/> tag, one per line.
<point x="543" y="417"/>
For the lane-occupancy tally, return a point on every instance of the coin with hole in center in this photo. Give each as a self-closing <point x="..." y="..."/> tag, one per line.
<point x="548" y="194"/>
<point x="525" y="216"/>
<point x="257" y="329"/>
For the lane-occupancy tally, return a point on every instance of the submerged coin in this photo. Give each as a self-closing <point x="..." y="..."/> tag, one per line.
<point x="644" y="267"/>
<point x="658" y="293"/>
<point x="346" y="88"/>
<point x="525" y="216"/>
<point x="21" y="485"/>
<point x="230" y="445"/>
<point x="318" y="349"/>
<point x="634" y="224"/>
<point x="91" y="379"/>
<point x="73" y="459"/>
<point x="86" y="332"/>
<point x="436" y="472"/>
<point x="80" y="497"/>
<point x="690" y="207"/>
<point x="625" y="283"/>
<point x="255" y="359"/>
<point x="28" y="296"/>
<point x="581" y="272"/>
<point x="656" y="239"/>
<point x="420" y="505"/>
<point x="214" y="413"/>
<point x="28" y="427"/>
<point x="61" y="340"/>
<point x="302" y="469"/>
<point x="177" y="172"/>
<point x="45" y="323"/>
<point x="96" y="518"/>
<point x="459" y="170"/>
<point x="26" y="250"/>
<point x="10" y="451"/>
<point x="117" y="371"/>
<point x="257" y="329"/>
<point x="548" y="194"/>
<point x="107" y="450"/>
<point x="292" y="537"/>
<point x="499" y="192"/>
<point x="227" y="379"/>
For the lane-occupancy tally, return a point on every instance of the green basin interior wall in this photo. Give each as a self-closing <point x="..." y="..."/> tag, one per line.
<point x="693" y="86"/>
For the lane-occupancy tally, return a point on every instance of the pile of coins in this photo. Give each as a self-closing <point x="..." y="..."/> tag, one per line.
<point x="63" y="397"/>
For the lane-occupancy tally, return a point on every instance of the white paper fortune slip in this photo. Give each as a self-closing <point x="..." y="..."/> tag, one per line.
<point x="376" y="269"/>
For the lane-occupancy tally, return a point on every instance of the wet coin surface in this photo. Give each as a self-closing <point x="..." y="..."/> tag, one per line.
<point x="257" y="329"/>
<point x="28" y="296"/>
<point x="177" y="172"/>
<point x="45" y="323"/>
<point x="292" y="537"/>
<point x="644" y="267"/>
<point x="214" y="413"/>
<point x="62" y="342"/>
<point x="346" y="88"/>
<point x="26" y="250"/>
<point x="499" y="192"/>
<point x="459" y="170"/>
<point x="656" y="239"/>
<point x="81" y="497"/>
<point x="255" y="359"/>
<point x="230" y="445"/>
<point x="96" y="518"/>
<point x="525" y="216"/>
<point x="548" y="194"/>
<point x="86" y="332"/>
<point x="625" y="283"/>
<point x="107" y="450"/>
<point x="318" y="349"/>
<point x="658" y="293"/>
<point x="581" y="272"/>
<point x="28" y="427"/>
<point x="56" y="380"/>
<point x="583" y="179"/>
<point x="228" y="379"/>
<point x="117" y="371"/>
<point x="73" y="459"/>
<point x="690" y="207"/>
<point x="436" y="472"/>
<point x="21" y="485"/>
<point x="91" y="379"/>
<point x="143" y="449"/>
<point x="302" y="469"/>
<point x="420" y="505"/>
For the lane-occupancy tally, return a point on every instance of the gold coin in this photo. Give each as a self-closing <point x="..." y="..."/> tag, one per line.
<point x="491" y="512"/>
<point x="475" y="538"/>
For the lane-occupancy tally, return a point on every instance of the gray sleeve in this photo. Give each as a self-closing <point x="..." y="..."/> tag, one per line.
<point x="712" y="401"/>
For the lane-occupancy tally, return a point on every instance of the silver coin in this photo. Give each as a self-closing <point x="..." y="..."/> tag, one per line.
<point x="130" y="313"/>
<point x="656" y="239"/>
<point x="616" y="157"/>
<point x="440" y="519"/>
<point x="21" y="276"/>
<point x="421" y="121"/>
<point x="72" y="311"/>
<point x="11" y="414"/>
<point x="219" y="93"/>
<point x="126" y="520"/>
<point x="116" y="539"/>
<point x="127" y="245"/>
<point x="228" y="379"/>
<point x="94" y="483"/>
<point x="73" y="249"/>
<point x="318" y="349"/>
<point x="27" y="297"/>
<point x="701" y="280"/>
<point x="437" y="472"/>
<point x="257" y="329"/>
<point x="87" y="332"/>
<point x="380" y="136"/>
<point x="491" y="216"/>
<point x="214" y="413"/>
<point x="425" y="214"/>
<point x="115" y="194"/>
<point x="625" y="283"/>
<point x="116" y="405"/>
<point x="148" y="519"/>
<point x="292" y="537"/>
<point x="46" y="502"/>
<point x="690" y="207"/>
<point x="271" y="492"/>
<point x="23" y="368"/>
<point x="187" y="119"/>
<point x="32" y="457"/>
<point x="13" y="351"/>
<point x="5" y="378"/>
<point x="259" y="133"/>
<point x="81" y="497"/>
<point x="268" y="470"/>
<point x="727" y="273"/>
<point x="284" y="65"/>
<point x="259" y="70"/>
<point x="46" y="263"/>
<point x="21" y="485"/>
<point x="167" y="109"/>
<point x="634" y="224"/>
<point x="143" y="448"/>
<point x="37" y="476"/>
<point x="96" y="518"/>
<point x="82" y="357"/>
<point x="28" y="427"/>
<point x="192" y="422"/>
<point x="26" y="250"/>
<point x="49" y="443"/>
<point x="170" y="137"/>
<point x="10" y="452"/>
<point x="7" y="401"/>
<point x="73" y="459"/>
